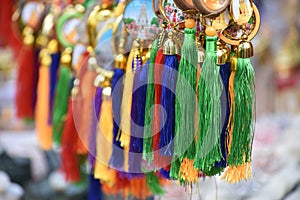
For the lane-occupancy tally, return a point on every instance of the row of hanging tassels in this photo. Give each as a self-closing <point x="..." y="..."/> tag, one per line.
<point x="203" y="126"/>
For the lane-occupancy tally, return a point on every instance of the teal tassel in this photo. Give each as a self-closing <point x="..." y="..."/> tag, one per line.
<point x="209" y="114"/>
<point x="184" y="146"/>
<point x="147" y="144"/>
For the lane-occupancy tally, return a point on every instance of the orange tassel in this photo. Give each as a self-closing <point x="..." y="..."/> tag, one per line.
<point x="187" y="172"/>
<point x="235" y="174"/>
<point x="43" y="128"/>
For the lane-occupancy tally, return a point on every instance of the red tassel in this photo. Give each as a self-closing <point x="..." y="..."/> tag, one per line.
<point x="24" y="98"/>
<point x="70" y="160"/>
<point x="158" y="69"/>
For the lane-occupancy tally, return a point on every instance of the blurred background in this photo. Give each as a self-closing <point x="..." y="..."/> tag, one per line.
<point x="27" y="172"/>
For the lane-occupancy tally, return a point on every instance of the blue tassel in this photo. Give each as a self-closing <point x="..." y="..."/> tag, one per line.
<point x="164" y="173"/>
<point x="53" y="78"/>
<point x="225" y="74"/>
<point x="93" y="138"/>
<point x="94" y="191"/>
<point x="138" y="118"/>
<point x="169" y="79"/>
<point x="117" y="157"/>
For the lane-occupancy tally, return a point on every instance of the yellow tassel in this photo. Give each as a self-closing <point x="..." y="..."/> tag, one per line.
<point x="187" y="172"/>
<point x="235" y="174"/>
<point x="124" y="134"/>
<point x="104" y="144"/>
<point x="43" y="129"/>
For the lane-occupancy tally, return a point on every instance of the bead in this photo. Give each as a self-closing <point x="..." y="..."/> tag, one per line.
<point x="210" y="31"/>
<point x="190" y="23"/>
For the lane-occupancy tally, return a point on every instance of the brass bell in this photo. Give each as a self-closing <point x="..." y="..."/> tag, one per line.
<point x="233" y="63"/>
<point x="201" y="54"/>
<point x="169" y="46"/>
<point x="221" y="54"/>
<point x="120" y="61"/>
<point x="245" y="48"/>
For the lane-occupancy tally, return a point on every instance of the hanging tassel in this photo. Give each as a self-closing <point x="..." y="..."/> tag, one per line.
<point x="158" y="69"/>
<point x="83" y="102"/>
<point x="124" y="133"/>
<point x="55" y="59"/>
<point x="241" y="130"/>
<point x="25" y="83"/>
<point x="154" y="184"/>
<point x="70" y="160"/>
<point x="35" y="75"/>
<point x="139" y="188"/>
<point x="185" y="96"/>
<point x="117" y="157"/>
<point x="169" y="79"/>
<point x="137" y="109"/>
<point x="209" y="115"/>
<point x="174" y="171"/>
<point x="61" y="102"/>
<point x="187" y="173"/>
<point x="104" y="141"/>
<point x="43" y="129"/>
<point x="126" y="104"/>
<point x="225" y="75"/>
<point x="147" y="145"/>
<point x="94" y="189"/>
<point x="93" y="137"/>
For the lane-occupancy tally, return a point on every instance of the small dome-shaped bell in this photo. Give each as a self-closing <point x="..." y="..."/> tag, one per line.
<point x="169" y="46"/>
<point x="201" y="54"/>
<point x="221" y="54"/>
<point x="245" y="48"/>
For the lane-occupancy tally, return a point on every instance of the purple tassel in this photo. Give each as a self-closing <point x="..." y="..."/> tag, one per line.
<point x="138" y="118"/>
<point x="225" y="74"/>
<point x="53" y="78"/>
<point x="117" y="157"/>
<point x="94" y="191"/>
<point x="35" y="75"/>
<point x="93" y="138"/>
<point x="169" y="79"/>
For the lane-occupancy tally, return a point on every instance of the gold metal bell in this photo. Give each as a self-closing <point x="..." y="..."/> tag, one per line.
<point x="245" y="48"/>
<point x="222" y="54"/>
<point x="201" y="54"/>
<point x="169" y="46"/>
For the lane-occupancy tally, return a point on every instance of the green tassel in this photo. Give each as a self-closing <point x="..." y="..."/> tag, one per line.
<point x="209" y="115"/>
<point x="244" y="100"/>
<point x="147" y="144"/>
<point x="61" y="103"/>
<point x="184" y="146"/>
<point x="154" y="184"/>
<point x="174" y="171"/>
